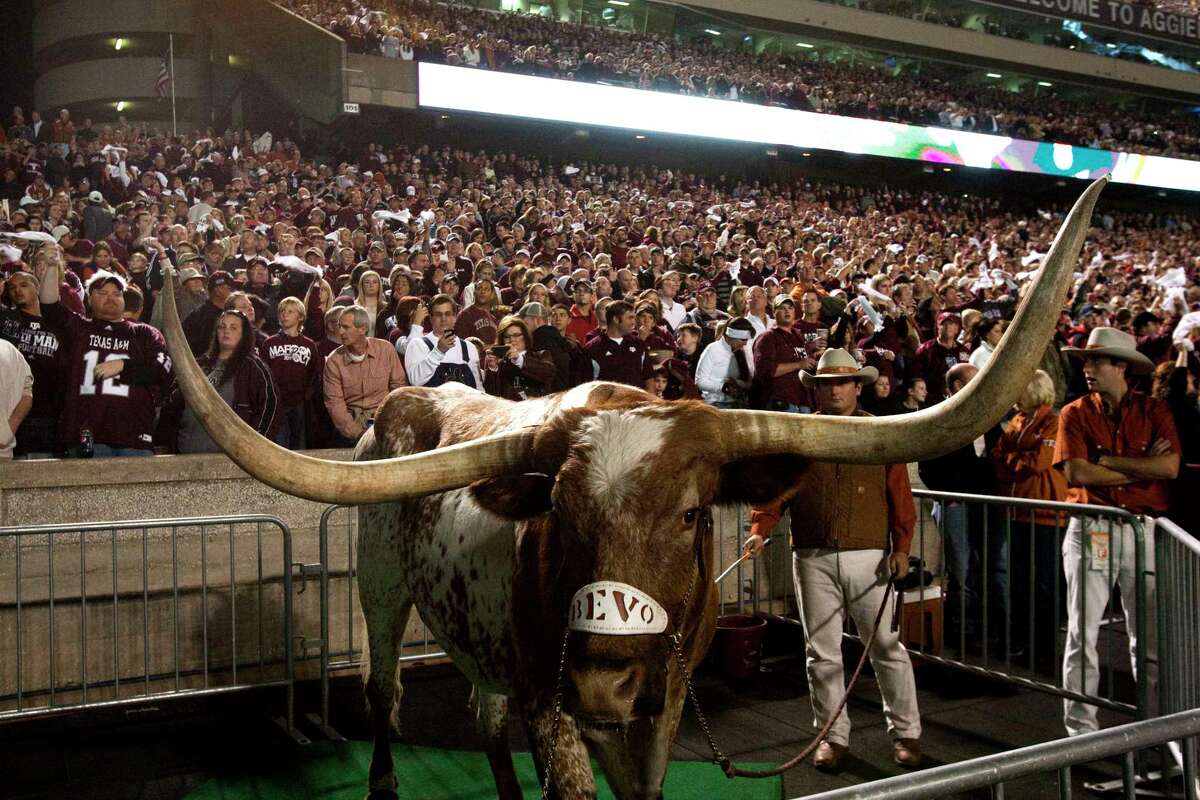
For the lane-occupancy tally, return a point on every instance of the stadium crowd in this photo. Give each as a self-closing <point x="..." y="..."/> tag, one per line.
<point x="309" y="290"/>
<point x="457" y="34"/>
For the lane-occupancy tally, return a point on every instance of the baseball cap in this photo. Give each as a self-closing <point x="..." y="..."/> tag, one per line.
<point x="780" y="299"/>
<point x="95" y="197"/>
<point x="102" y="277"/>
<point x="59" y="232"/>
<point x="949" y="315"/>
<point x="533" y="309"/>
<point x="219" y="278"/>
<point x="705" y="286"/>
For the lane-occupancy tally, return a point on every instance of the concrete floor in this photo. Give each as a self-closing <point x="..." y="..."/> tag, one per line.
<point x="165" y="752"/>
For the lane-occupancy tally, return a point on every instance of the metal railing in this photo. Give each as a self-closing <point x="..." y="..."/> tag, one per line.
<point x="1006" y="618"/>
<point x="120" y="613"/>
<point x="1001" y="621"/>
<point x="991" y="640"/>
<point x="1177" y="557"/>
<point x="1057" y="757"/>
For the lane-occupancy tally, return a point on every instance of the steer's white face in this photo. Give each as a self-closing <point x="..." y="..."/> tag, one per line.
<point x="627" y="505"/>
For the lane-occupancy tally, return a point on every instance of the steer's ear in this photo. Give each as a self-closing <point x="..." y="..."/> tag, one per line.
<point x="759" y="480"/>
<point x="514" y="497"/>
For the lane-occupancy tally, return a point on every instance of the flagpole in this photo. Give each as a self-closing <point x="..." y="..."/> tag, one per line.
<point x="174" y="126"/>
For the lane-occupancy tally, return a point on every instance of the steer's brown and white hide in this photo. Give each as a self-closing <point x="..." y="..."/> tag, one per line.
<point x="492" y="568"/>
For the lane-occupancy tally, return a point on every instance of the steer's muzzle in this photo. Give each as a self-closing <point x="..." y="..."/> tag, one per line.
<point x="614" y="693"/>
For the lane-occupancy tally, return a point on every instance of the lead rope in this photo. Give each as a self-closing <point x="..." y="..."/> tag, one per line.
<point x="720" y="759"/>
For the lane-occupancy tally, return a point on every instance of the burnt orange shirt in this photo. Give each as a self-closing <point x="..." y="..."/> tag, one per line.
<point x="1085" y="431"/>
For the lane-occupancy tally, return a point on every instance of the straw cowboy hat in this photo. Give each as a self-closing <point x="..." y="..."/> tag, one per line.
<point x="837" y="363"/>
<point x="1113" y="343"/>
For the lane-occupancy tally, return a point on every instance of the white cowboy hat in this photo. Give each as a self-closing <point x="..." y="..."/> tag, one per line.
<point x="837" y="363"/>
<point x="1113" y="343"/>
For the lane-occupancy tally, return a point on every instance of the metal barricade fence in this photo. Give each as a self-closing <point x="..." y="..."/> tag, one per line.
<point x="1004" y="610"/>
<point x="990" y="639"/>
<point x="1056" y="757"/>
<point x="1177" y="556"/>
<point x="120" y="613"/>
<point x="1004" y="628"/>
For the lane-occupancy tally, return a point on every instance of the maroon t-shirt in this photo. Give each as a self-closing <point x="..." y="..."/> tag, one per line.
<point x="476" y="321"/>
<point x="622" y="362"/>
<point x="296" y="365"/>
<point x="933" y="361"/>
<point x="42" y="343"/>
<point x="120" y="410"/>
<point x="778" y="346"/>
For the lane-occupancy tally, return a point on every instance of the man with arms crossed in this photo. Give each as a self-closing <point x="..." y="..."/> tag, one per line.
<point x="1119" y="448"/>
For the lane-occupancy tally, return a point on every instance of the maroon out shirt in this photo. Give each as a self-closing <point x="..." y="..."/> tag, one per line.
<point x="933" y="361"/>
<point x="120" y="411"/>
<point x="42" y="343"/>
<point x="295" y="364"/>
<point x="476" y="321"/>
<point x="778" y="346"/>
<point x="622" y="362"/>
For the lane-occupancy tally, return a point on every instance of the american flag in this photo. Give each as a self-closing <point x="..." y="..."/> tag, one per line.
<point x="164" y="79"/>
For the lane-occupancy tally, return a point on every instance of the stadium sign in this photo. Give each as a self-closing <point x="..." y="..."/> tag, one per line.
<point x="1116" y="14"/>
<point x="500" y="93"/>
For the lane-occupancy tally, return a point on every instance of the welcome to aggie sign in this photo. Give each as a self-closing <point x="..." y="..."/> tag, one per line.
<point x="1125" y="16"/>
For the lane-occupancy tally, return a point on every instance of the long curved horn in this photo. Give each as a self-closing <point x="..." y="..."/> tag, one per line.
<point x="949" y="424"/>
<point x="325" y="481"/>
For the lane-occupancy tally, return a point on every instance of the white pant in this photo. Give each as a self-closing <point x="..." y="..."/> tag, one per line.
<point x="828" y="583"/>
<point x="1090" y="582"/>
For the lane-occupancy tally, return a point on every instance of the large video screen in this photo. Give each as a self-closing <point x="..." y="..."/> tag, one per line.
<point x="487" y="92"/>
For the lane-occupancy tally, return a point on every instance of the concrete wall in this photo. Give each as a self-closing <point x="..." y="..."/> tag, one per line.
<point x="69" y="19"/>
<point x="299" y="61"/>
<point x="910" y="37"/>
<point x="98" y="79"/>
<point x="168" y="602"/>
<point x="375" y="80"/>
<point x="114" y="79"/>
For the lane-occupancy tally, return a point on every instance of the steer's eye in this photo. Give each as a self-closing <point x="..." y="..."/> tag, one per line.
<point x="689" y="517"/>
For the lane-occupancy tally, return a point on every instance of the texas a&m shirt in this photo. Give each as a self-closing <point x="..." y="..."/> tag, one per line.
<point x="120" y="410"/>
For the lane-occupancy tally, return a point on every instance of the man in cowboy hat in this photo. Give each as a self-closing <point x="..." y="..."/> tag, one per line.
<point x="845" y="519"/>
<point x="1119" y="448"/>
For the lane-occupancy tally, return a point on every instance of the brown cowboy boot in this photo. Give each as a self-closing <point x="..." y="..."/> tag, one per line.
<point x="907" y="752"/>
<point x="829" y="756"/>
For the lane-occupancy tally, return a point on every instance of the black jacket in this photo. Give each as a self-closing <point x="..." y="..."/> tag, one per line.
<point x="961" y="470"/>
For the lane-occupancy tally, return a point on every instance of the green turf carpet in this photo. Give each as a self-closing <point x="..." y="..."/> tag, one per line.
<point x="338" y="771"/>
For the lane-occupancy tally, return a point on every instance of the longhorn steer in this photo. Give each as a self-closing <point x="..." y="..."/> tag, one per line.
<point x="491" y="516"/>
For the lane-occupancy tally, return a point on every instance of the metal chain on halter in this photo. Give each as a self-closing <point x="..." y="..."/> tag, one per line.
<point x="719" y="757"/>
<point x="675" y="639"/>
<point x="554" y="726"/>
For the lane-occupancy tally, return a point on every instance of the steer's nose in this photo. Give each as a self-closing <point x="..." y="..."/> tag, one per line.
<point x="608" y="693"/>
